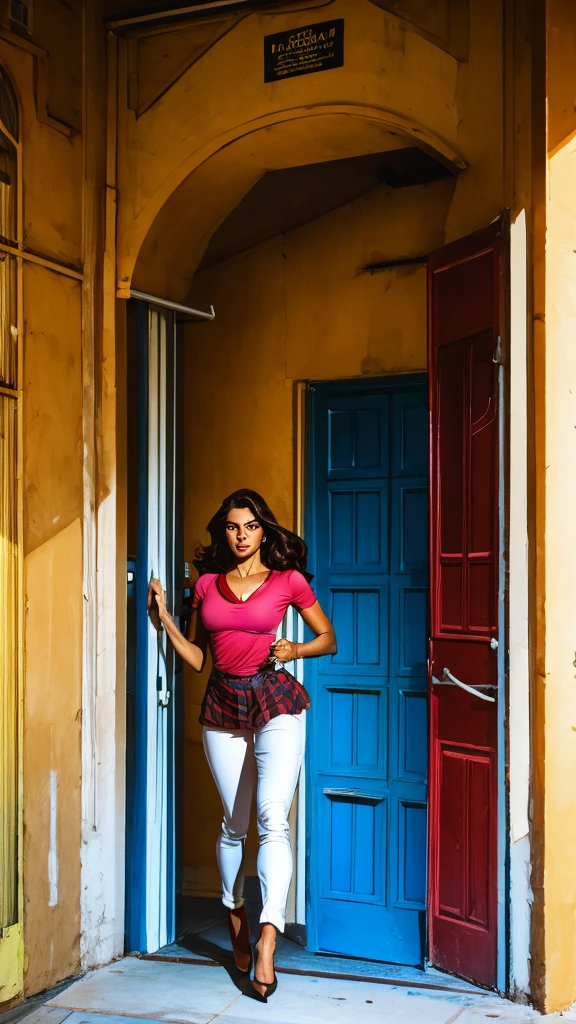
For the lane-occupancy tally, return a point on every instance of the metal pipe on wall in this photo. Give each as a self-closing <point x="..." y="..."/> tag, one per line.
<point x="155" y="300"/>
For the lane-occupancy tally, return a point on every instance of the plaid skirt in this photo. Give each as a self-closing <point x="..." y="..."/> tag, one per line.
<point x="248" y="702"/>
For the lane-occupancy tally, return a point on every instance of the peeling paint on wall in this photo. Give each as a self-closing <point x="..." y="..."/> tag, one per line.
<point x="53" y="848"/>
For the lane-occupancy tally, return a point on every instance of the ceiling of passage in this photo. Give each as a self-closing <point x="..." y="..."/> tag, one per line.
<point x="288" y="198"/>
<point x="213" y="193"/>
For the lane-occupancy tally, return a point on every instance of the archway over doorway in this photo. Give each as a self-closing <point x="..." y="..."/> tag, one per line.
<point x="176" y="227"/>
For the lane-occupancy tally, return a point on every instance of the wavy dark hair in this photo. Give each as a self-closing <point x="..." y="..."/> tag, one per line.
<point x="282" y="549"/>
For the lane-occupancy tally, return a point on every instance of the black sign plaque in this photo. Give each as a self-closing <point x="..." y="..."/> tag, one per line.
<point x="304" y="51"/>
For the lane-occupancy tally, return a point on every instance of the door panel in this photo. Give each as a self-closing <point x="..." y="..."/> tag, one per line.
<point x="368" y="723"/>
<point x="360" y="617"/>
<point x="151" y="675"/>
<point x="358" y="518"/>
<point x="464" y="352"/>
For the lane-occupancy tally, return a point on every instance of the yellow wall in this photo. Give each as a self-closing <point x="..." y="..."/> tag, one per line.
<point x="53" y="638"/>
<point x="46" y="71"/>
<point x="295" y="307"/>
<point x="556" y="455"/>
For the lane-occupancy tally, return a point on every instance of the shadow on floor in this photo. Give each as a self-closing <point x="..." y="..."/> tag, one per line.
<point x="203" y="936"/>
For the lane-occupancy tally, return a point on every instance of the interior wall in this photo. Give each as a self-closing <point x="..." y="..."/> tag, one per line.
<point x="46" y="69"/>
<point x="296" y="307"/>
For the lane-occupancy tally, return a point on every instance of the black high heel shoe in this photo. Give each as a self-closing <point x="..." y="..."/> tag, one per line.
<point x="270" y="988"/>
<point x="243" y="937"/>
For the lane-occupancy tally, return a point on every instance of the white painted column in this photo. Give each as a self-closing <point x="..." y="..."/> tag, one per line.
<point x="519" y="678"/>
<point x="102" y="840"/>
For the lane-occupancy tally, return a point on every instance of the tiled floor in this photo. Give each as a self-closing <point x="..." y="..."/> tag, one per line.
<point x="147" y="991"/>
<point x="311" y="989"/>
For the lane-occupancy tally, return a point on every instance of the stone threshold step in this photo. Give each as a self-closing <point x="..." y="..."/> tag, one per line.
<point x="394" y="979"/>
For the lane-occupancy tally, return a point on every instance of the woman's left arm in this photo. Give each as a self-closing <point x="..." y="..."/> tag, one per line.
<point x="323" y="643"/>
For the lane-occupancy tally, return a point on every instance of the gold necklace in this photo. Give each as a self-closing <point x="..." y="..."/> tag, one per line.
<point x="250" y="566"/>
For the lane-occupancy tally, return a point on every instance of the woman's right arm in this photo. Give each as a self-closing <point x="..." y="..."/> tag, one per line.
<point x="194" y="653"/>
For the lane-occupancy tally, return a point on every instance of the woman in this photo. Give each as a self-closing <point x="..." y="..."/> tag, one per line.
<point x="253" y="714"/>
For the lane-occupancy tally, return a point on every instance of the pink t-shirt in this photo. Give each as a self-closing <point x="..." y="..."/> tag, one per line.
<point x="241" y="631"/>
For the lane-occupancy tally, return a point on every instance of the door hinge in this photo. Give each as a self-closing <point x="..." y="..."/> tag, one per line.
<point x="497" y="357"/>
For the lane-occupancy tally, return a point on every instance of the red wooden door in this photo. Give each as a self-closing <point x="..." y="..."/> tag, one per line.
<point x="465" y="293"/>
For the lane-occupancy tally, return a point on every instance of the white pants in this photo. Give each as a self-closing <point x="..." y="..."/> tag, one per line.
<point x="267" y="761"/>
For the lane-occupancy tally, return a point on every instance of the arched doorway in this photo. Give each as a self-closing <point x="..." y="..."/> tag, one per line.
<point x="299" y="311"/>
<point x="164" y="249"/>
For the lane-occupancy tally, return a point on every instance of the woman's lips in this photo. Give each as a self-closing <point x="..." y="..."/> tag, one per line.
<point x="242" y="547"/>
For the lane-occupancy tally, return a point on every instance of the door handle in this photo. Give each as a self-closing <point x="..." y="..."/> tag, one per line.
<point x="354" y="794"/>
<point x="449" y="679"/>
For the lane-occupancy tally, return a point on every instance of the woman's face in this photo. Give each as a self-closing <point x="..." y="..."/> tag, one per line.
<point x="243" y="532"/>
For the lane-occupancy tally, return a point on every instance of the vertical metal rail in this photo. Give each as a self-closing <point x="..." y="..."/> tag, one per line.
<point x="502" y="882"/>
<point x="503" y="355"/>
<point x="298" y="636"/>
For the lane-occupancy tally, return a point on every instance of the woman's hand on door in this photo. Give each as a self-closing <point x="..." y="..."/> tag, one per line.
<point x="192" y="653"/>
<point x="156" y="604"/>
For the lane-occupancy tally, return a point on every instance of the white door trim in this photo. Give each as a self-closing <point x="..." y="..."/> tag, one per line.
<point x="520" y="892"/>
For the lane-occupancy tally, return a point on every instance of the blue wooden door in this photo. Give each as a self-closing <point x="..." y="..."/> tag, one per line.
<point x="151" y="666"/>
<point x="367" y="741"/>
